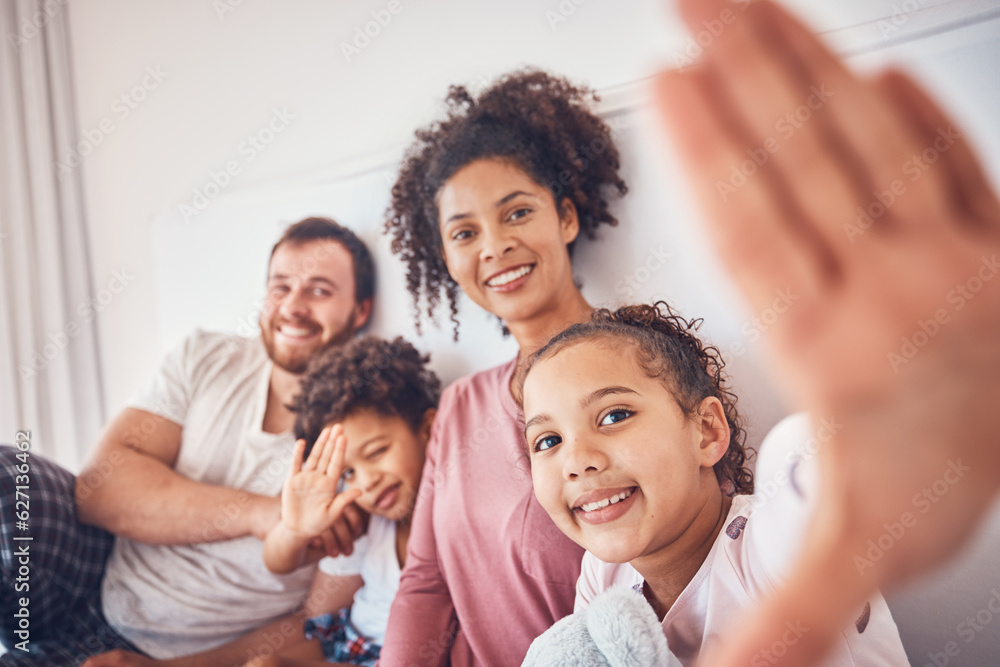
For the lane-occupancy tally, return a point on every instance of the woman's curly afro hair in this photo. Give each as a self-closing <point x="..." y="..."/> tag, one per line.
<point x="537" y="121"/>
<point x="667" y="348"/>
<point x="389" y="378"/>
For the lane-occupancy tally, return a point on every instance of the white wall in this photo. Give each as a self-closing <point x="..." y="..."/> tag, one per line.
<point x="221" y="78"/>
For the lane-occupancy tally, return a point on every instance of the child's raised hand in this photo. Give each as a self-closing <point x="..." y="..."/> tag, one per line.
<point x="309" y="499"/>
<point x="855" y="215"/>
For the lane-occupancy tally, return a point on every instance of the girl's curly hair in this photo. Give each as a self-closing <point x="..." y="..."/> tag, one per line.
<point x="537" y="121"/>
<point x="390" y="378"/>
<point x="668" y="349"/>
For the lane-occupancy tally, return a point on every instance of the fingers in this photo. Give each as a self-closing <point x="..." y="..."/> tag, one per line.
<point x="341" y="532"/>
<point x="945" y="150"/>
<point x="778" y="118"/>
<point x="356" y="519"/>
<point x="297" y="453"/>
<point x="862" y="121"/>
<point x="837" y="144"/>
<point x="329" y="544"/>
<point x="317" y="450"/>
<point x="745" y="221"/>
<point x="336" y="509"/>
<point x="332" y="434"/>
<point x="336" y="464"/>
<point x="322" y="451"/>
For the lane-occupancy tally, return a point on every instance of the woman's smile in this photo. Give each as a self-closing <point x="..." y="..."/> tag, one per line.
<point x="509" y="280"/>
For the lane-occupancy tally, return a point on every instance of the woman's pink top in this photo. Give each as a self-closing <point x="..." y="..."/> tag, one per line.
<point x="486" y="570"/>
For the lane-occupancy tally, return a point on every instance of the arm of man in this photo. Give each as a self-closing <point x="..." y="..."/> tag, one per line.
<point x="329" y="594"/>
<point x="131" y="489"/>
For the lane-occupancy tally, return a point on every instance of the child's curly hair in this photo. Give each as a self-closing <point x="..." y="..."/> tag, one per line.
<point x="668" y="349"/>
<point x="390" y="378"/>
<point x="539" y="122"/>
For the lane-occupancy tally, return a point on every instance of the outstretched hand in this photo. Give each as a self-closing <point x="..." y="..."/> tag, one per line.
<point x="310" y="503"/>
<point x="862" y="202"/>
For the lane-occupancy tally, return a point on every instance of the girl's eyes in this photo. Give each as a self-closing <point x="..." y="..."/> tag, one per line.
<point x="615" y="415"/>
<point x="547" y="442"/>
<point x="377" y="453"/>
<point x="461" y="235"/>
<point x="347" y="474"/>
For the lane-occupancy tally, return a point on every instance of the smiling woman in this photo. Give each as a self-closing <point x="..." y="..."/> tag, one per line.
<point x="491" y="201"/>
<point x="528" y="122"/>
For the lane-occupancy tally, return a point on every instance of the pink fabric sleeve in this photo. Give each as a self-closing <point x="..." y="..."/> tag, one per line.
<point x="422" y="617"/>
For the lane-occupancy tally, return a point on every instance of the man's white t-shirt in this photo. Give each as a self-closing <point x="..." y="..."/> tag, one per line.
<point x="374" y="558"/>
<point x="763" y="534"/>
<point x="173" y="600"/>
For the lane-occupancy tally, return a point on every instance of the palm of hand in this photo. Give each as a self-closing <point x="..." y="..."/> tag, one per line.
<point x="307" y="501"/>
<point x="886" y="273"/>
<point x="884" y="351"/>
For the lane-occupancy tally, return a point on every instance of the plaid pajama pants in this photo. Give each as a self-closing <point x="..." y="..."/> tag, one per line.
<point x="340" y="640"/>
<point x="60" y="574"/>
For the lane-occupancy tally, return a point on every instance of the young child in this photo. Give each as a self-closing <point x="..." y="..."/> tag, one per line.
<point x="637" y="453"/>
<point x="368" y="408"/>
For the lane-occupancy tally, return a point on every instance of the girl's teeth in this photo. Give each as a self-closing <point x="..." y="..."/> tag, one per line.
<point x="617" y="498"/>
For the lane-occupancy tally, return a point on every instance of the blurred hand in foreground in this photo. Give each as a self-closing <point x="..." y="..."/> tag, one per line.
<point x="861" y="202"/>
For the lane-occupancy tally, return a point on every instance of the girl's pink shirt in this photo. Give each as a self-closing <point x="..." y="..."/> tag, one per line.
<point x="486" y="570"/>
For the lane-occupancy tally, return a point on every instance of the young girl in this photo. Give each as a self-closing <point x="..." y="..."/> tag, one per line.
<point x="490" y="201"/>
<point x="368" y="407"/>
<point x="637" y="455"/>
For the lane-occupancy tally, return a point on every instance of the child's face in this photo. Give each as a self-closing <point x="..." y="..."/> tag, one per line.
<point x="384" y="459"/>
<point x="598" y="429"/>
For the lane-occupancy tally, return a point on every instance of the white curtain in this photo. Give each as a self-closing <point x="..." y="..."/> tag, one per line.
<point x="49" y="356"/>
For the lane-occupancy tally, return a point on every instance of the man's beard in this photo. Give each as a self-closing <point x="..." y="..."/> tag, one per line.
<point x="297" y="363"/>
